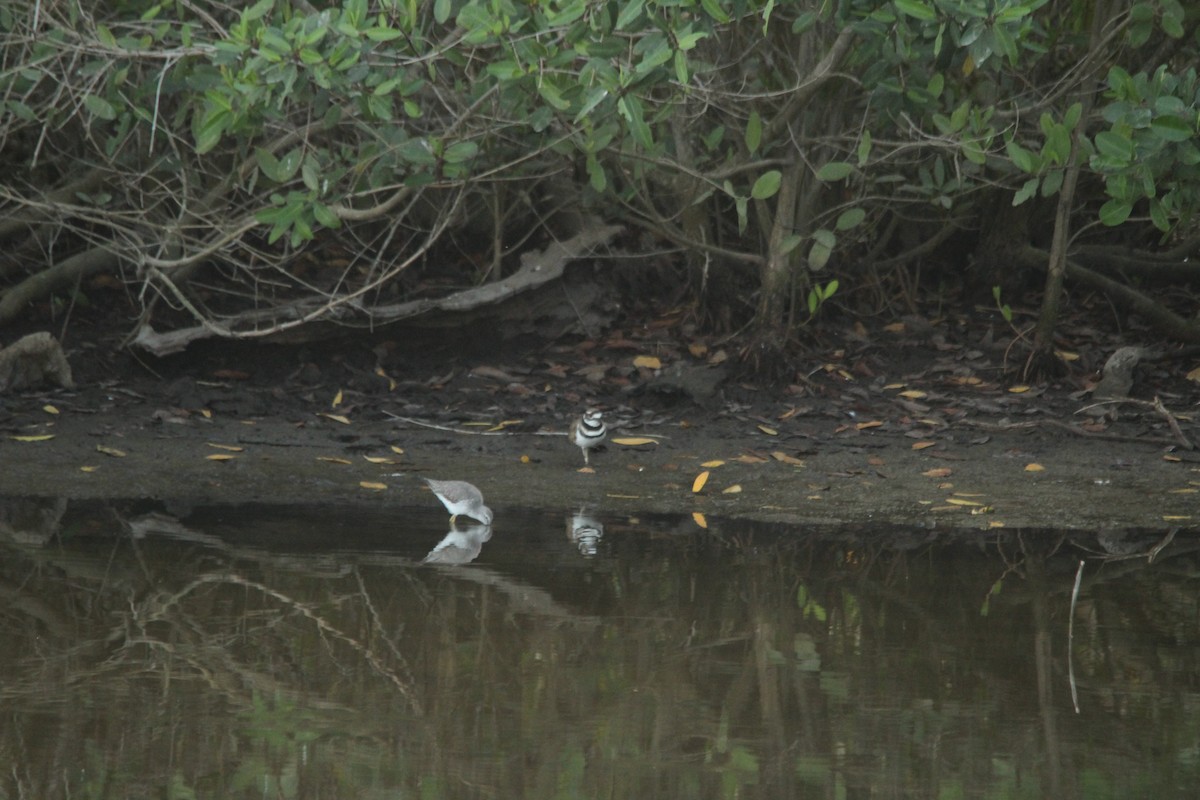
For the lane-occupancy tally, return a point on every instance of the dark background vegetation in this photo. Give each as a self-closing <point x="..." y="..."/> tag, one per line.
<point x="242" y="172"/>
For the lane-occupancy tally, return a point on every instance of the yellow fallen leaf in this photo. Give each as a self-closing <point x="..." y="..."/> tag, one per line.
<point x="768" y="431"/>
<point x="649" y="362"/>
<point x="337" y="399"/>
<point x="1182" y="491"/>
<point x="1176" y="517"/>
<point x="380" y="460"/>
<point x="1018" y="389"/>
<point x="525" y="459"/>
<point x="1194" y="375"/>
<point x="232" y="447"/>
<point x="398" y="450"/>
<point x="1067" y="355"/>
<point x="698" y="349"/>
<point x="336" y="418"/>
<point x="1034" y="468"/>
<point x="958" y="501"/>
<point x="862" y="426"/>
<point x="913" y="394"/>
<point x="716" y="462"/>
<point x="41" y="437"/>
<point x="633" y="441"/>
<point x="379" y="487"/>
<point x="206" y="413"/>
<point x="735" y="489"/>
<point x="894" y="327"/>
<point x="699" y="519"/>
<point x="88" y="468"/>
<point x="968" y="494"/>
<point x="891" y="386"/>
<point x="1172" y="458"/>
<point x="221" y="457"/>
<point x="110" y="451"/>
<point x="937" y="472"/>
<point x="334" y="459"/>
<point x="982" y="510"/>
<point x="786" y="459"/>
<point x="922" y="445"/>
<point x="49" y="409"/>
<point x="995" y="523"/>
<point x="701" y="479"/>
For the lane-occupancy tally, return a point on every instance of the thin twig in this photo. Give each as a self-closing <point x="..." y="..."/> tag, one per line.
<point x="1071" y="637"/>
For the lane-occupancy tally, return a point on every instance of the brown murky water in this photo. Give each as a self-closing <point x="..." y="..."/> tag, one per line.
<point x="308" y="653"/>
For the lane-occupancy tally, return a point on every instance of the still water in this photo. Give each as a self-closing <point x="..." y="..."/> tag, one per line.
<point x="310" y="653"/>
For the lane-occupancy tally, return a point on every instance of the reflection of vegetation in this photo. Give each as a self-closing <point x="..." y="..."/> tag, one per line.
<point x="674" y="669"/>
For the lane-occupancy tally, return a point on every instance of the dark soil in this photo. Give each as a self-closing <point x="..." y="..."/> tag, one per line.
<point x="912" y="422"/>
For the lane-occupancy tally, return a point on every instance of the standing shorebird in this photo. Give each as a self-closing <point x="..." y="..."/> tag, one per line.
<point x="588" y="431"/>
<point x="461" y="498"/>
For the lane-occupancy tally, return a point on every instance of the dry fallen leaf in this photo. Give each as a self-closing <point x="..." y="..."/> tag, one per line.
<point x="1194" y="375"/>
<point x="221" y="457"/>
<point x="958" y="501"/>
<point x="88" y="468"/>
<point x="379" y="487"/>
<point x="1182" y="491"/>
<point x="233" y="447"/>
<point x="1176" y="517"/>
<point x="334" y="459"/>
<point x="698" y="349"/>
<point x="716" y="462"/>
<point x="874" y="423"/>
<point x="701" y="479"/>
<point x="337" y="399"/>
<point x="336" y="418"/>
<point x="1018" y="389"/>
<point x="746" y="458"/>
<point x="735" y="489"/>
<point x="913" y="394"/>
<point x="397" y="450"/>
<point x="922" y="445"/>
<point x="786" y="459"/>
<point x="110" y="451"/>
<point x="649" y="362"/>
<point x="1034" y="468"/>
<point x="49" y="409"/>
<point x="525" y="459"/>
<point x="699" y="519"/>
<point x="380" y="460"/>
<point x="937" y="472"/>
<point x="41" y="437"/>
<point x="633" y="441"/>
<point x="206" y="413"/>
<point x="587" y="470"/>
<point x="768" y="431"/>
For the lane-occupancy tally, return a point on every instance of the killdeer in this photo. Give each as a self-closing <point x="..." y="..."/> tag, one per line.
<point x="588" y="431"/>
<point x="460" y="497"/>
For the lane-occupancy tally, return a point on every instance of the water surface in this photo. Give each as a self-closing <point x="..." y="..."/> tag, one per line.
<point x="310" y="653"/>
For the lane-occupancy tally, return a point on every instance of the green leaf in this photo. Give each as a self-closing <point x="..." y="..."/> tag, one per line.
<point x="1114" y="146"/>
<point x="1025" y="192"/>
<point x="917" y="10"/>
<point x="834" y="171"/>
<point x="850" y="218"/>
<point x="459" y="152"/>
<point x="1114" y="212"/>
<point x="100" y="107"/>
<point x="258" y="10"/>
<point x="823" y="243"/>
<point x="1172" y="129"/>
<point x="629" y="13"/>
<point x="753" y="132"/>
<point x="441" y="11"/>
<point x="596" y="176"/>
<point x="864" y="148"/>
<point x="713" y="9"/>
<point x="1021" y="158"/>
<point x="767" y="185"/>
